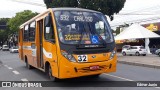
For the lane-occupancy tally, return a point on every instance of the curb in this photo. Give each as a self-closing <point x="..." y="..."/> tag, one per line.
<point x="139" y="64"/>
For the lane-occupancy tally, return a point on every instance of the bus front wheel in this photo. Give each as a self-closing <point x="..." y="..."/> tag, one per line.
<point x="51" y="77"/>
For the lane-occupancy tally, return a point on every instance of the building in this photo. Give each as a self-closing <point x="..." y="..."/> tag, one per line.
<point x="154" y="27"/>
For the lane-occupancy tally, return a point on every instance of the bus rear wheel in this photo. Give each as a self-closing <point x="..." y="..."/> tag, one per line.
<point x="51" y="77"/>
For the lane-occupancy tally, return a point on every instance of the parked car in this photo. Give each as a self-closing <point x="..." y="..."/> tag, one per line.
<point x="5" y="48"/>
<point x="134" y="50"/>
<point x="126" y="47"/>
<point x="157" y="52"/>
<point x="14" y="49"/>
<point x="153" y="50"/>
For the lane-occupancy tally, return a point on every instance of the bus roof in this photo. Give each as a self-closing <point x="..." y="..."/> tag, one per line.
<point x="56" y="9"/>
<point x="74" y="9"/>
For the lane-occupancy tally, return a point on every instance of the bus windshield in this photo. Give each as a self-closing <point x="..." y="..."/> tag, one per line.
<point x="79" y="27"/>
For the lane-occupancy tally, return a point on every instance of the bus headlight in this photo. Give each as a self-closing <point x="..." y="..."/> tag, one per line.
<point x="112" y="54"/>
<point x="68" y="56"/>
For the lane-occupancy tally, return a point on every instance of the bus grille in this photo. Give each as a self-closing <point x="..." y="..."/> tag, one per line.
<point x="91" y="51"/>
<point x="87" y="69"/>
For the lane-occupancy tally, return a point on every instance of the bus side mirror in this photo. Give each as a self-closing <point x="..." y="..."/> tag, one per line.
<point x="48" y="20"/>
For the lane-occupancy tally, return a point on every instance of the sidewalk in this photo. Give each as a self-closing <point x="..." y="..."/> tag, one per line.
<point x="151" y="61"/>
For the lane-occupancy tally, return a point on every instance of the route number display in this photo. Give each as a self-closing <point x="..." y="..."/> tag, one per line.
<point x="82" y="58"/>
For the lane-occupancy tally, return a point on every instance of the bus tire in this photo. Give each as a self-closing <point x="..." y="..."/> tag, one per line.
<point x="49" y="74"/>
<point x="27" y="64"/>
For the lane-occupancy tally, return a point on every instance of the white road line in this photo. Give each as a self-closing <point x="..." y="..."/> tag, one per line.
<point x="157" y="87"/>
<point x="119" y="77"/>
<point x="125" y="79"/>
<point x="16" y="72"/>
<point x="24" y="80"/>
<point x="10" y="68"/>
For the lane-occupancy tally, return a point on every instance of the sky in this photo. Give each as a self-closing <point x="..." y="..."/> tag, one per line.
<point x="141" y="11"/>
<point x="8" y="8"/>
<point x="133" y="11"/>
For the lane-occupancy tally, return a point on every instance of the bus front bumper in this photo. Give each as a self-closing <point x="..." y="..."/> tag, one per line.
<point x="72" y="70"/>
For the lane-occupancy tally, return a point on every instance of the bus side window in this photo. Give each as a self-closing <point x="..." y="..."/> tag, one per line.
<point x="32" y="27"/>
<point x="49" y="29"/>
<point x="25" y="37"/>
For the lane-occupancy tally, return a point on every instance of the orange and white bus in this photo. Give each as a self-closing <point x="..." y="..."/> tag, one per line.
<point x="68" y="43"/>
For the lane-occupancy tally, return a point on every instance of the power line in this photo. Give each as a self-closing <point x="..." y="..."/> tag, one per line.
<point x="136" y="14"/>
<point x="136" y="21"/>
<point x="30" y="3"/>
<point x="143" y="9"/>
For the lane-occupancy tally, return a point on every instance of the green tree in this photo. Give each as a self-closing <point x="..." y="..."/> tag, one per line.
<point x="3" y="30"/>
<point x="3" y="21"/>
<point x="61" y="3"/>
<point x="108" y="7"/>
<point x="19" y="19"/>
<point x="3" y="36"/>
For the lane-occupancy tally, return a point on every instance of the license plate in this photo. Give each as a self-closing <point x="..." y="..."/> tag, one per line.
<point x="94" y="67"/>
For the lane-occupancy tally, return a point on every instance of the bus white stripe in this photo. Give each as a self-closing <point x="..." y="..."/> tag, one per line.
<point x="47" y="54"/>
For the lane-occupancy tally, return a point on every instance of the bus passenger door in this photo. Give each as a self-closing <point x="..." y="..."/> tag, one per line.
<point x="40" y="62"/>
<point x="20" y="39"/>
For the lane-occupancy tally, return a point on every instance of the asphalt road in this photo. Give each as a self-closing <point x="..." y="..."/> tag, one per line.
<point x="12" y="69"/>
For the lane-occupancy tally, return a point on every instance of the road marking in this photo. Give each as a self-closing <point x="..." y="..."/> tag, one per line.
<point x="119" y="77"/>
<point x="24" y="80"/>
<point x="16" y="72"/>
<point x="157" y="87"/>
<point x="10" y="68"/>
<point x="125" y="79"/>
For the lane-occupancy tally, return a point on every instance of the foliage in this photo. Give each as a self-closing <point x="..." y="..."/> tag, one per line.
<point x="3" y="36"/>
<point x="108" y="7"/>
<point x="3" y="30"/>
<point x="3" y="21"/>
<point x="19" y="19"/>
<point x="61" y="3"/>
